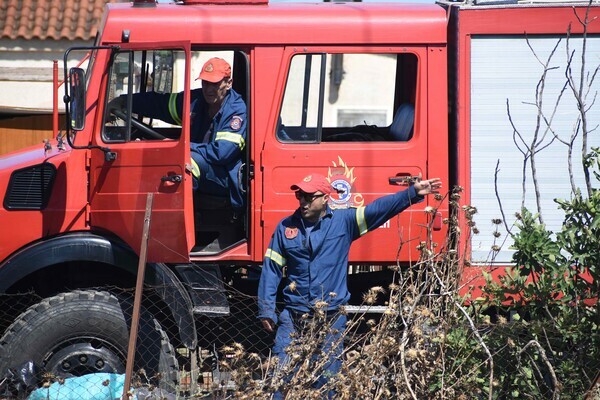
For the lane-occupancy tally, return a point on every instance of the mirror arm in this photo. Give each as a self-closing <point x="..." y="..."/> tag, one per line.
<point x="108" y="154"/>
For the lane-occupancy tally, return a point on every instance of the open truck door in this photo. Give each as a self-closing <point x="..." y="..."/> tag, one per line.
<point x="146" y="155"/>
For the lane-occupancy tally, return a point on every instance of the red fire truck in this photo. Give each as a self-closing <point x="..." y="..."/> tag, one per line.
<point x="370" y="95"/>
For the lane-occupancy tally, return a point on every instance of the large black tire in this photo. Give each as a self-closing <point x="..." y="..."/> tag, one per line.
<point x="83" y="332"/>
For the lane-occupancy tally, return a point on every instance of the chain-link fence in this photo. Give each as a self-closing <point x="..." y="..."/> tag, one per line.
<point x="84" y="334"/>
<point x="397" y="344"/>
<point x="74" y="345"/>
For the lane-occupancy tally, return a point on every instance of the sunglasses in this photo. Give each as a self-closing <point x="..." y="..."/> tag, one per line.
<point x="307" y="197"/>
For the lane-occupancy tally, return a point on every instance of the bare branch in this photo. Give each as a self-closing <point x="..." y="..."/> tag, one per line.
<point x="496" y="171"/>
<point x="516" y="133"/>
<point x="580" y="93"/>
<point x="542" y="352"/>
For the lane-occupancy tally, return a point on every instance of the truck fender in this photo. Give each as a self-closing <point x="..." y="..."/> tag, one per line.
<point x="90" y="247"/>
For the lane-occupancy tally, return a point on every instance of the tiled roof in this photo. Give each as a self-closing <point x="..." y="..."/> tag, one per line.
<point x="50" y="19"/>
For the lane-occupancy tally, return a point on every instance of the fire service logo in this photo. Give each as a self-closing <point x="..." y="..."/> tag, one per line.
<point x="342" y="179"/>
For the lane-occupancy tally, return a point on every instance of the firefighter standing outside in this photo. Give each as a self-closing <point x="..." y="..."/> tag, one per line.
<point x="218" y="127"/>
<point x="313" y="244"/>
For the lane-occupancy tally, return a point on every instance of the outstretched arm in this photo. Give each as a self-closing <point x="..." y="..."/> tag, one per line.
<point x="373" y="215"/>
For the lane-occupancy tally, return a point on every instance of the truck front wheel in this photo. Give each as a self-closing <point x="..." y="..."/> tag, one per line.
<point x="83" y="332"/>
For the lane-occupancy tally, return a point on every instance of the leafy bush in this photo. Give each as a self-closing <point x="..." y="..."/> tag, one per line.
<point x="554" y="287"/>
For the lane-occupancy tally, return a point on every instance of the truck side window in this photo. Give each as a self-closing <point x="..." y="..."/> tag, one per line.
<point x="147" y="75"/>
<point x="349" y="97"/>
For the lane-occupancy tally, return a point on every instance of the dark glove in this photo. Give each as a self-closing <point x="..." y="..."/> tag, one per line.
<point x="118" y="104"/>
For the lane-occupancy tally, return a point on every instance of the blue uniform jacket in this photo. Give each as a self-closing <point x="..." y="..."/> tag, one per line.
<point x="226" y="132"/>
<point x="318" y="264"/>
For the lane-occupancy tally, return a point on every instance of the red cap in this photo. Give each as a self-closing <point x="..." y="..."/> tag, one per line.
<point x="313" y="183"/>
<point x="215" y="70"/>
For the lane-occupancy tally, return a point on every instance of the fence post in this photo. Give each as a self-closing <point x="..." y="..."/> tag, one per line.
<point x="139" y="288"/>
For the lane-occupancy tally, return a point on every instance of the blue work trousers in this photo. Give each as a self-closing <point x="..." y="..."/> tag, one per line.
<point x="291" y="322"/>
<point x="213" y="179"/>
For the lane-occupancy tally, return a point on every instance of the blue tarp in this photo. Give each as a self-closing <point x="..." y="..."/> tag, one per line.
<point x="100" y="386"/>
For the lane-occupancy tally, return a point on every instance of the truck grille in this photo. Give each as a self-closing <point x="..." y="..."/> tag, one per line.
<point x="29" y="188"/>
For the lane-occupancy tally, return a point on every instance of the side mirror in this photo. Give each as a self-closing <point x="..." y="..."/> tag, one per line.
<point x="77" y="98"/>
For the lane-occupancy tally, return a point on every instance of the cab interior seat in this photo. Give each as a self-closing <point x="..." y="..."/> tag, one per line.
<point x="217" y="224"/>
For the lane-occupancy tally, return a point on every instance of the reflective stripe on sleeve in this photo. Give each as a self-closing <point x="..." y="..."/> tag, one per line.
<point x="231" y="137"/>
<point x="195" y="169"/>
<point x="360" y="220"/>
<point x="173" y="108"/>
<point x="276" y="257"/>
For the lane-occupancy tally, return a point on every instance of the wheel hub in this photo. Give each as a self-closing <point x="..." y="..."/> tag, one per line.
<point x="84" y="357"/>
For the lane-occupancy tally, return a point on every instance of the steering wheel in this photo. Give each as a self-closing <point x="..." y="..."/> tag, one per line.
<point x="146" y="130"/>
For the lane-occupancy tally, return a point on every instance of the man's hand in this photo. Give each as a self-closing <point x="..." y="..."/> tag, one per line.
<point x="428" y="186"/>
<point x="118" y="103"/>
<point x="268" y="324"/>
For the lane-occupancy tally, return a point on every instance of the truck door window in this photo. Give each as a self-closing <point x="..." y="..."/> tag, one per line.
<point x="349" y="97"/>
<point x="152" y="72"/>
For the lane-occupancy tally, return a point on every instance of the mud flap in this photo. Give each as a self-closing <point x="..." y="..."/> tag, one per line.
<point x="171" y="290"/>
<point x="205" y="286"/>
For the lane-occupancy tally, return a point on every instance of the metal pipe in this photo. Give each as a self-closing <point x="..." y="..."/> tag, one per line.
<point x="55" y="98"/>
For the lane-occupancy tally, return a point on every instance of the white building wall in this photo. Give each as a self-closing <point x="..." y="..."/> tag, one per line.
<point x="26" y="74"/>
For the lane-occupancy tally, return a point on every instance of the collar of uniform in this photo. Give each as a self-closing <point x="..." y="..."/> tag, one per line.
<point x="225" y="103"/>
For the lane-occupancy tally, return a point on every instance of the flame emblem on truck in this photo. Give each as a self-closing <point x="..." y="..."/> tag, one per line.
<point x="342" y="179"/>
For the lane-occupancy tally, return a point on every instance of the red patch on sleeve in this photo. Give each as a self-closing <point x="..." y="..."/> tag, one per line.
<point x="291" y="232"/>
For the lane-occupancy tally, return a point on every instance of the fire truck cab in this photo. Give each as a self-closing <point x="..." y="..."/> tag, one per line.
<point x="317" y="102"/>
